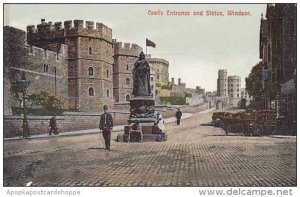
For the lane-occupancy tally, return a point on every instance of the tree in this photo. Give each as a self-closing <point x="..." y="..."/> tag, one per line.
<point x="45" y="101"/>
<point x="40" y="104"/>
<point x="254" y="84"/>
<point x="254" y="81"/>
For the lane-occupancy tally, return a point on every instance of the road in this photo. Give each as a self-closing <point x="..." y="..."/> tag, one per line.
<point x="194" y="155"/>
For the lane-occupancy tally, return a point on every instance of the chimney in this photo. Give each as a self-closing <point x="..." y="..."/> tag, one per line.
<point x="179" y="81"/>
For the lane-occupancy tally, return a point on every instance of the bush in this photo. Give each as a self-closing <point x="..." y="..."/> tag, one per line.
<point x="167" y="87"/>
<point x="41" y="104"/>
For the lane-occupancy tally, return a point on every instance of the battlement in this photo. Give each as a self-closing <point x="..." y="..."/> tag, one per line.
<point x="46" y="54"/>
<point x="158" y="60"/>
<point x="127" y="49"/>
<point x="71" y="28"/>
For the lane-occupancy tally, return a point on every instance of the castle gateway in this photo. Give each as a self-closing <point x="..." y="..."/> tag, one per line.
<point x="90" y="59"/>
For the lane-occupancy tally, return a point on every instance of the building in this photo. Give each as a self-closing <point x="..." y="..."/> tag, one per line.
<point x="46" y="70"/>
<point x="228" y="89"/>
<point x="222" y="82"/>
<point x="200" y="90"/>
<point x="196" y="99"/>
<point x="234" y="90"/>
<point x="125" y="55"/>
<point x="90" y="59"/>
<point x="245" y="95"/>
<point x="161" y="69"/>
<point x="278" y="46"/>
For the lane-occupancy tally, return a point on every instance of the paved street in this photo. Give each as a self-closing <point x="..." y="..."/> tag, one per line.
<point x="194" y="155"/>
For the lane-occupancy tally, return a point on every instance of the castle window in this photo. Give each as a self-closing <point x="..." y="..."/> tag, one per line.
<point x="46" y="67"/>
<point x="107" y="93"/>
<point x="91" y="91"/>
<point x="151" y="78"/>
<point x="90" y="71"/>
<point x="238" y="95"/>
<point x="127" y="81"/>
<point x="127" y="97"/>
<point x="107" y="73"/>
<point x="127" y="67"/>
<point x="158" y="77"/>
<point x="152" y="87"/>
<point x="90" y="51"/>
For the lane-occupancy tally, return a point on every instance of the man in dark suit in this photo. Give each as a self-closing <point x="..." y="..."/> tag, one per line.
<point x="178" y="116"/>
<point x="106" y="125"/>
<point x="53" y="126"/>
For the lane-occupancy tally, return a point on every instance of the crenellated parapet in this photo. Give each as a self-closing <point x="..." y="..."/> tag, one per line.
<point x="127" y="49"/>
<point x="40" y="53"/>
<point x="48" y="30"/>
<point x="158" y="61"/>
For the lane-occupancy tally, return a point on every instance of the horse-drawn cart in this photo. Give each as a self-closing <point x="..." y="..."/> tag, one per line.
<point x="249" y="123"/>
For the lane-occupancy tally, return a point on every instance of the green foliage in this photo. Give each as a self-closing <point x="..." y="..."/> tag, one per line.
<point x="188" y="94"/>
<point x="167" y="87"/>
<point x="44" y="100"/>
<point x="157" y="84"/>
<point x="40" y="104"/>
<point x="254" y="81"/>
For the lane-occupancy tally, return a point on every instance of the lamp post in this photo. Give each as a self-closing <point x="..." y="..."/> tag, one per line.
<point x="265" y="76"/>
<point x="22" y="85"/>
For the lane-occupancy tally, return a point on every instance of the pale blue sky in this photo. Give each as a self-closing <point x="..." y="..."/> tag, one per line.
<point x="195" y="46"/>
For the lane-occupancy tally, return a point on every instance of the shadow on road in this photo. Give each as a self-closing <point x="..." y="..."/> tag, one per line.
<point x="210" y="124"/>
<point x="96" y="148"/>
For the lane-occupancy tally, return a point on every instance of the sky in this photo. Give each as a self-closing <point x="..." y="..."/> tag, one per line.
<point x="195" y="46"/>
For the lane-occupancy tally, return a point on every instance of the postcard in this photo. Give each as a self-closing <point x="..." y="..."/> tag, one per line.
<point x="150" y="95"/>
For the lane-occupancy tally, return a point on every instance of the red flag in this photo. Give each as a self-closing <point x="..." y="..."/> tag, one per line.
<point x="150" y="43"/>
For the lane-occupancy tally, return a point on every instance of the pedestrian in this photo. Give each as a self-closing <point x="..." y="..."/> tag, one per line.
<point x="106" y="125"/>
<point x="178" y="116"/>
<point x="53" y="126"/>
<point x="161" y="122"/>
<point x="136" y="134"/>
<point x="158" y="131"/>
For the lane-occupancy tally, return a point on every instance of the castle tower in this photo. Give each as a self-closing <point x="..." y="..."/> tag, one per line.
<point x="90" y="59"/>
<point x="234" y="90"/>
<point x="222" y="83"/>
<point x="161" y="68"/>
<point x="124" y="59"/>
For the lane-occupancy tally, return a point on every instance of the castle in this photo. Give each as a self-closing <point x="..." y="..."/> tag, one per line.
<point x="79" y="63"/>
<point x="47" y="70"/>
<point x="90" y="59"/>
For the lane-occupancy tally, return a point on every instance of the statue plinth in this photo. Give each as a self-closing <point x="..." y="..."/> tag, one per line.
<point x="142" y="109"/>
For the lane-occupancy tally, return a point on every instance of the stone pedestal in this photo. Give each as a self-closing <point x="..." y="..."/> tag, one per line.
<point x="142" y="110"/>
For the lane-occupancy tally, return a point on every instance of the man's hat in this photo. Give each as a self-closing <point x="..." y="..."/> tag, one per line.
<point x="105" y="107"/>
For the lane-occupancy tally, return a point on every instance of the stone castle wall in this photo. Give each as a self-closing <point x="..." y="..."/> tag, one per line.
<point x="89" y="46"/>
<point x="125" y="56"/>
<point x="38" y="64"/>
<point x="161" y="68"/>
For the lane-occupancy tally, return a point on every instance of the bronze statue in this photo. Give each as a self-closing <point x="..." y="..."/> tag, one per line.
<point x="141" y="77"/>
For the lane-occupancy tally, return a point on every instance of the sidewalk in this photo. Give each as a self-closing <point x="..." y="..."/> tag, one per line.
<point x="91" y="131"/>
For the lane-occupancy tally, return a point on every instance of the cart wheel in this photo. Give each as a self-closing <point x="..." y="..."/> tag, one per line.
<point x="223" y="126"/>
<point x="264" y="124"/>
